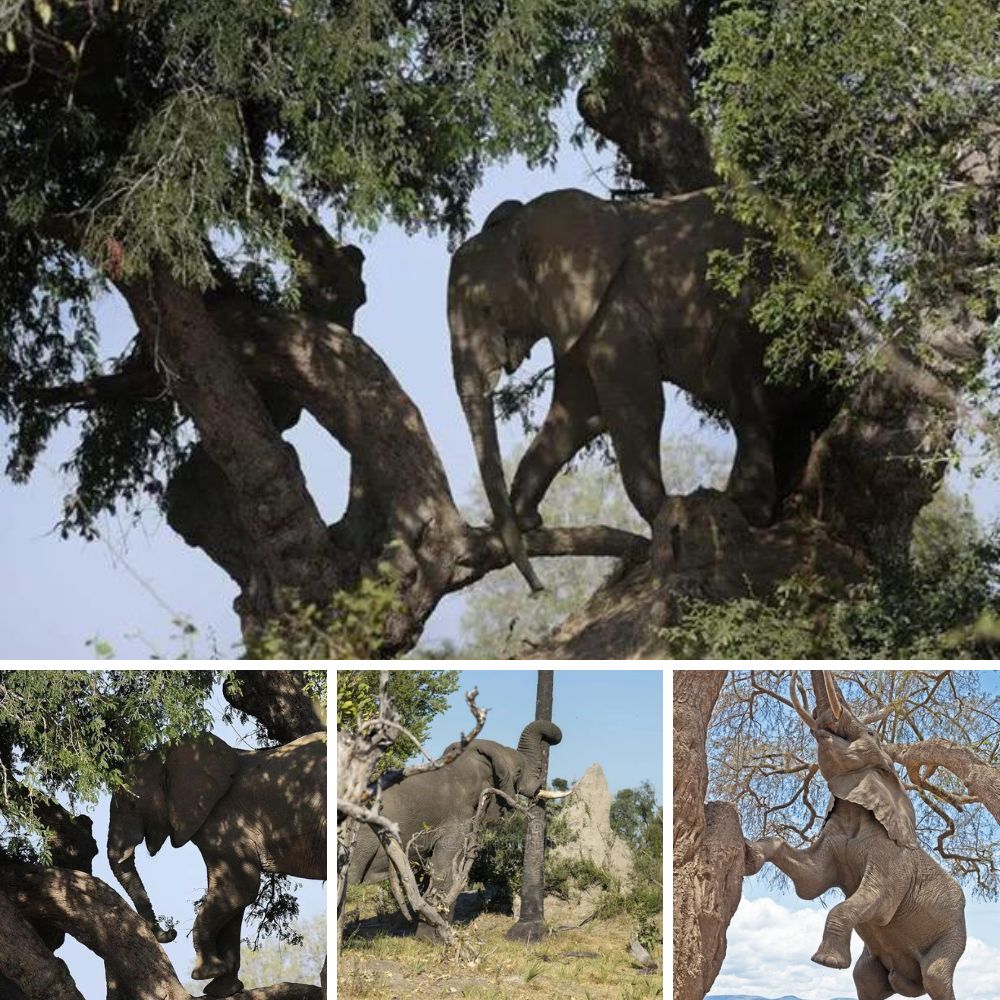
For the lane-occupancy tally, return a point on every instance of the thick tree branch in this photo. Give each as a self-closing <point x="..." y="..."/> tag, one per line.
<point x="982" y="780"/>
<point x="28" y="962"/>
<point x="708" y="843"/>
<point x="277" y="700"/>
<point x="94" y="914"/>
<point x="272" y="503"/>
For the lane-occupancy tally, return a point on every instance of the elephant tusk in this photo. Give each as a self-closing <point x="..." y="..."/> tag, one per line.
<point x="797" y="704"/>
<point x="545" y="793"/>
<point x="829" y="682"/>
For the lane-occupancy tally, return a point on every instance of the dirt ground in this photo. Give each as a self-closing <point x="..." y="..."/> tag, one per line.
<point x="380" y="960"/>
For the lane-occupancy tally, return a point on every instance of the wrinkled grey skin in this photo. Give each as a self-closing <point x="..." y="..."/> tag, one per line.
<point x="248" y="812"/>
<point x="621" y="291"/>
<point x="907" y="910"/>
<point x="440" y="806"/>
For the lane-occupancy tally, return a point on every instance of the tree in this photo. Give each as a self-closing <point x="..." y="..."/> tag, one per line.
<point x="142" y="149"/>
<point x="417" y="697"/>
<point x="530" y="924"/>
<point x="939" y="604"/>
<point x="65" y="737"/>
<point x="738" y="743"/>
<point x="633" y="812"/>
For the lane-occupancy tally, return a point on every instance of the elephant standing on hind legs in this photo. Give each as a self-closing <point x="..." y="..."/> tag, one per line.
<point x="907" y="910"/>
<point x="622" y="292"/>
<point x="248" y="811"/>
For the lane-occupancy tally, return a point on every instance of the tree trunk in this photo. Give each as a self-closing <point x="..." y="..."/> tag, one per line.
<point x="708" y="843"/>
<point x="531" y="922"/>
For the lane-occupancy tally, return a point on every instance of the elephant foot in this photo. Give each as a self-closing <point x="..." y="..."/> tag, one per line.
<point x="832" y="958"/>
<point x="425" y="932"/>
<point x="696" y="532"/>
<point x="528" y="520"/>
<point x="755" y="501"/>
<point x="224" y="986"/>
<point x="210" y="968"/>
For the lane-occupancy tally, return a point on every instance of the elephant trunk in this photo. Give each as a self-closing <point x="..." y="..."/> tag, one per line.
<point x="530" y="747"/>
<point x="482" y="425"/>
<point x="123" y="868"/>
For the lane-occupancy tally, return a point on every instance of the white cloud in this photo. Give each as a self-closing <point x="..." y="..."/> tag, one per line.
<point x="770" y="945"/>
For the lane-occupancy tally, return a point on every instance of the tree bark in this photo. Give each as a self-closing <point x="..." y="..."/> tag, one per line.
<point x="530" y="925"/>
<point x="277" y="700"/>
<point x="708" y="843"/>
<point x="27" y="963"/>
<point x="94" y="914"/>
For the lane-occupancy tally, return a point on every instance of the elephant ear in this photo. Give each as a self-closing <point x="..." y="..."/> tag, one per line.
<point x="198" y="773"/>
<point x="880" y="792"/>
<point x="503" y="762"/>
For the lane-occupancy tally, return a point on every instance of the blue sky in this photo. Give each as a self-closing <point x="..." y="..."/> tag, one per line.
<point x="174" y="879"/>
<point x="774" y="933"/>
<point x="127" y="587"/>
<point x="611" y="717"/>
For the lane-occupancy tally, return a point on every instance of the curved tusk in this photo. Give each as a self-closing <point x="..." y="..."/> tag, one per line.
<point x="830" y="683"/>
<point x="797" y="705"/>
<point x="545" y="793"/>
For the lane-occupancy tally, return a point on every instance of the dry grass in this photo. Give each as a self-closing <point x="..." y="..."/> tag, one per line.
<point x="384" y="965"/>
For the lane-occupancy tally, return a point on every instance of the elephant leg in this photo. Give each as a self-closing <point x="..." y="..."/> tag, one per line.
<point x="810" y="870"/>
<point x="938" y="966"/>
<point x="573" y="421"/>
<point x="871" y="979"/>
<point x="233" y="885"/>
<point x="625" y="367"/>
<point x="751" y="483"/>
<point x="445" y="849"/>
<point x="228" y="939"/>
<point x="868" y="903"/>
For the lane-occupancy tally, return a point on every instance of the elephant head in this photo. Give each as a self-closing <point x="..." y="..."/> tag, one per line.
<point x="525" y="276"/>
<point x="853" y="761"/>
<point x="517" y="772"/>
<point x="168" y="792"/>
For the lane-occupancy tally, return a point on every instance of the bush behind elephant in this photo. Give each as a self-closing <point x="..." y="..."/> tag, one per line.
<point x="247" y="812"/>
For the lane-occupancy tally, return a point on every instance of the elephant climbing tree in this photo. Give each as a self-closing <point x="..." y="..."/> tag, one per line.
<point x="746" y="772"/>
<point x="201" y="182"/>
<point x="69" y="737"/>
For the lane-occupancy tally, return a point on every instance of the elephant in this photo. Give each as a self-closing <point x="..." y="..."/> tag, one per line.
<point x="247" y="811"/>
<point x="435" y="809"/>
<point x="907" y="910"/>
<point x="622" y="292"/>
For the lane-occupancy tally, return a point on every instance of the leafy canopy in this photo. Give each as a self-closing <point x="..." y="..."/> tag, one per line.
<point x="417" y="695"/>
<point x="69" y="734"/>
<point x="179" y="131"/>
<point x="842" y="127"/>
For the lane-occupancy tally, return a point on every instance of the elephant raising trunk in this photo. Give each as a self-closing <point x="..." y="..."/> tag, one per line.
<point x="908" y="912"/>
<point x="530" y="745"/>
